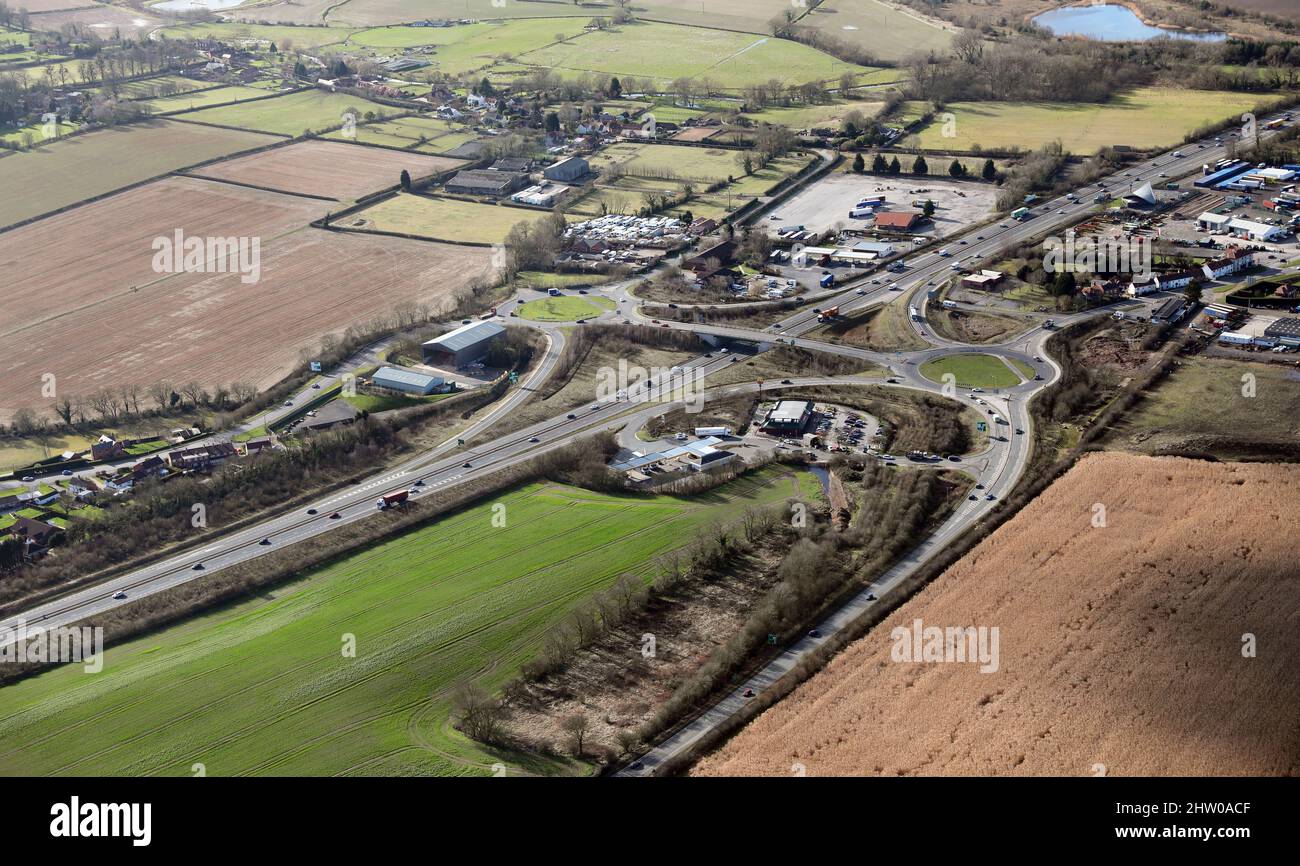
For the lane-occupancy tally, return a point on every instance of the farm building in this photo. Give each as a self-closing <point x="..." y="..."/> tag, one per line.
<point x="899" y="220"/>
<point x="542" y="195"/>
<point x="513" y="163"/>
<point x="462" y="346"/>
<point x="788" y="417"/>
<point x="407" y="381"/>
<point x="486" y="182"/>
<point x="1170" y="311"/>
<point x="567" y="170"/>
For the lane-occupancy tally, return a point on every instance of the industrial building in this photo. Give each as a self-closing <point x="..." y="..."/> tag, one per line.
<point x="674" y="462"/>
<point x="487" y="182"/>
<point x="542" y="195"/>
<point x="462" y="346"/>
<point x="407" y="381"/>
<point x="567" y="170"/>
<point x="1242" y="228"/>
<point x="788" y="418"/>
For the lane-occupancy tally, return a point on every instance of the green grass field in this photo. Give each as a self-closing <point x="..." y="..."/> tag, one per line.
<point x="447" y="219"/>
<point x="566" y="308"/>
<point x="1146" y="118"/>
<point x="885" y="32"/>
<point x="665" y="51"/>
<point x="419" y="134"/>
<point x="202" y="98"/>
<point x="291" y="114"/>
<point x="285" y="38"/>
<point x="971" y="371"/>
<point x="262" y="687"/>
<point x="471" y="47"/>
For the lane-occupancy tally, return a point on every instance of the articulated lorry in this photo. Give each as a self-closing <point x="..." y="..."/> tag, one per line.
<point x="388" y="500"/>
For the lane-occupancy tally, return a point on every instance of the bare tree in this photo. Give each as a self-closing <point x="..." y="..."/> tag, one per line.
<point x="576" y="726"/>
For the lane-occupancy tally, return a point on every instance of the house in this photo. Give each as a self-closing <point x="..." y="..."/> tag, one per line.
<point x="899" y="220"/>
<point x="1143" y="285"/>
<point x="486" y="182"/>
<point x="703" y="226"/>
<point x="83" y="488"/>
<point x="150" y="467"/>
<point x="110" y="450"/>
<point x="35" y="535"/>
<point x="202" y="456"/>
<point x="1178" y="279"/>
<point x="1100" y="290"/>
<point x="567" y="170"/>
<point x="1234" y="259"/>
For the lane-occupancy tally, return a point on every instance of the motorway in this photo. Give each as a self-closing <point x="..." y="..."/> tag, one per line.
<point x="998" y="470"/>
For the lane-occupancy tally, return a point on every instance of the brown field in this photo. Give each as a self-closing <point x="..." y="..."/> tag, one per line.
<point x="84" y="166"/>
<point x="92" y="256"/>
<point x="1120" y="646"/>
<point x="103" y="20"/>
<point x="214" y="329"/>
<point x="1280" y="8"/>
<point x="50" y="5"/>
<point x="334" y="169"/>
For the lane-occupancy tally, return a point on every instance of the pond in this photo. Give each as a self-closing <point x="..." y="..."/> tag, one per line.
<point x="1112" y="23"/>
<point x="824" y="476"/>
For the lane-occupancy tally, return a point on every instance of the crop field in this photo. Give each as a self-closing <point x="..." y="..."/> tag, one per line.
<point x="285" y="38"/>
<point x="1224" y="407"/>
<point x="669" y="162"/>
<point x="1149" y="117"/>
<point x="214" y="327"/>
<point x="809" y="116"/>
<point x="445" y="219"/>
<point x="421" y="134"/>
<point x="665" y="52"/>
<point x="35" y="6"/>
<point x="293" y="113"/>
<point x="260" y="688"/>
<point x="469" y="47"/>
<point x="567" y="308"/>
<point x="66" y="172"/>
<point x="1120" y="644"/>
<point x="886" y="32"/>
<point x="334" y="169"/>
<point x="100" y="18"/>
<point x="150" y="88"/>
<point x="202" y="98"/>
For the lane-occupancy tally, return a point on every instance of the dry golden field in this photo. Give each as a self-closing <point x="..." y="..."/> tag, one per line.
<point x="328" y="168"/>
<point x="1121" y="645"/>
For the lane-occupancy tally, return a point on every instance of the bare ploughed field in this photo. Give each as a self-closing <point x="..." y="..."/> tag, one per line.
<point x="210" y="328"/>
<point x="1120" y="646"/>
<point x="91" y="256"/>
<point x="327" y="168"/>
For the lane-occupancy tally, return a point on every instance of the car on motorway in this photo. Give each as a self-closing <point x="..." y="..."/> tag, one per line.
<point x="571" y="416"/>
<point x="66" y="472"/>
<point x="265" y="542"/>
<point x="119" y="595"/>
<point x="973" y="498"/>
<point x="315" y="386"/>
<point x="335" y="516"/>
<point x="466" y="466"/>
<point x="288" y="403"/>
<point x="990" y="497"/>
<point x="860" y="291"/>
<point x="312" y="511"/>
<point x="29" y="478"/>
<point x="198" y="566"/>
<point x="812" y="632"/>
<point x="534" y="439"/>
<point x="748" y="693"/>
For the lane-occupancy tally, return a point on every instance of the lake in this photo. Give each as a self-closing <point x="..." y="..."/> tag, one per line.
<point x="188" y="5"/>
<point x="1112" y="23"/>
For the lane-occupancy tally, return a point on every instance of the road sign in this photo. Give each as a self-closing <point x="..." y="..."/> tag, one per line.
<point x="315" y="366"/>
<point x="981" y="426"/>
<point x="514" y="377"/>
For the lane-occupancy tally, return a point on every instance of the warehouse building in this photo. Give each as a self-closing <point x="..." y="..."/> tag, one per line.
<point x="462" y="346"/>
<point x="407" y="381"/>
<point x="567" y="170"/>
<point x="788" y="418"/>
<point x="487" y="182"/>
